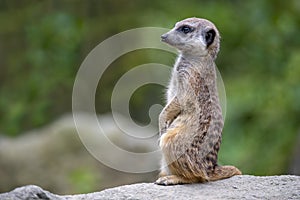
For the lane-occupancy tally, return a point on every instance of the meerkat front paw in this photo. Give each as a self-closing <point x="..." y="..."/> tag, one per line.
<point x="163" y="128"/>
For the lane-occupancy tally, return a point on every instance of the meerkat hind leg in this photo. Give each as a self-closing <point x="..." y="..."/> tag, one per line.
<point x="173" y="180"/>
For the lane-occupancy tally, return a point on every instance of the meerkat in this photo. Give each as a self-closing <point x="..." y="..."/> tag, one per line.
<point x="191" y="123"/>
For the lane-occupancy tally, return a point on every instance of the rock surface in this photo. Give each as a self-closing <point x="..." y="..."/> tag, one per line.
<point x="238" y="187"/>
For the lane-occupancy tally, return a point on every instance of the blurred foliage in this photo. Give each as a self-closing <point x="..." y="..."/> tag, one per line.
<point x="42" y="44"/>
<point x="83" y="180"/>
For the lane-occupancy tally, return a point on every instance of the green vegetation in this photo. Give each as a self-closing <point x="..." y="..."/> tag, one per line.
<point x="43" y="43"/>
<point x="83" y="180"/>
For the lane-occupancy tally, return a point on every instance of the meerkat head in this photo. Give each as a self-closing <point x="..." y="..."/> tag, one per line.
<point x="194" y="36"/>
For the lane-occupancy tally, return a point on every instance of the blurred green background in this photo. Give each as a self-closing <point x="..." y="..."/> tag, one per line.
<point x="42" y="44"/>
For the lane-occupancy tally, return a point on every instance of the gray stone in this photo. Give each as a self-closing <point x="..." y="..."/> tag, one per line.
<point x="238" y="187"/>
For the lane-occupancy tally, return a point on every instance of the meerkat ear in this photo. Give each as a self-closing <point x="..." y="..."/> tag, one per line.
<point x="209" y="37"/>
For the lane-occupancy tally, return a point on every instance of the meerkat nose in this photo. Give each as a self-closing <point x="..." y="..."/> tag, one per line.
<point x="164" y="37"/>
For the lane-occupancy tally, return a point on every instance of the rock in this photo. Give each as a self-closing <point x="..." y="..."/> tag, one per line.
<point x="30" y="192"/>
<point x="238" y="187"/>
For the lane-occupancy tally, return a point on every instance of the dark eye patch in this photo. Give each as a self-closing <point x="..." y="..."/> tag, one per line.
<point x="185" y="29"/>
<point x="209" y="37"/>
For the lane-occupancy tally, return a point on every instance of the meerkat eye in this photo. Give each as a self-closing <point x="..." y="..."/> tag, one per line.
<point x="185" y="29"/>
<point x="209" y="37"/>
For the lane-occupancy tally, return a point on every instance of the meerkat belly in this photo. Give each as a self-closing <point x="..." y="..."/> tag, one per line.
<point x="173" y="132"/>
<point x="176" y="147"/>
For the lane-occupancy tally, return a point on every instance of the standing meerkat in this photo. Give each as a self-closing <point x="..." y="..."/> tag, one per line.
<point x="191" y="123"/>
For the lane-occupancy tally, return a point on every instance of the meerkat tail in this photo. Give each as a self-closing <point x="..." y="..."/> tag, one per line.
<point x="222" y="172"/>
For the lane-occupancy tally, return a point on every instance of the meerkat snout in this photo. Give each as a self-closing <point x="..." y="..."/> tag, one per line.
<point x="194" y="36"/>
<point x="164" y="37"/>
